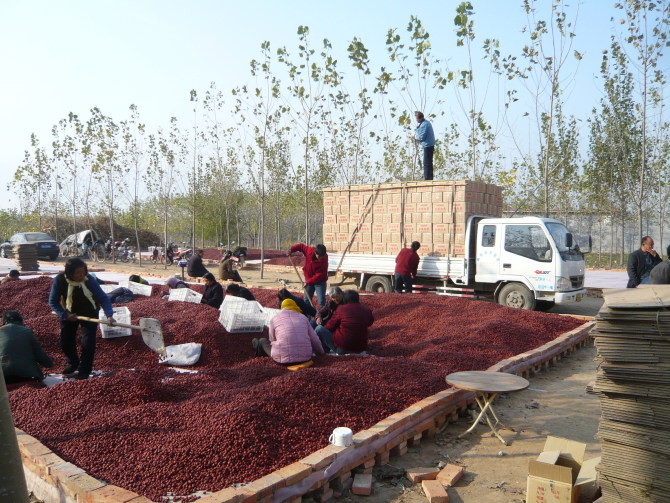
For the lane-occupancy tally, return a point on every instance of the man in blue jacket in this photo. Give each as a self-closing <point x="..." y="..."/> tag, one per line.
<point x="75" y="293"/>
<point x="426" y="138"/>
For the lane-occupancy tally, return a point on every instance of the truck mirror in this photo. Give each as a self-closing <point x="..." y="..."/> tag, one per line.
<point x="568" y="240"/>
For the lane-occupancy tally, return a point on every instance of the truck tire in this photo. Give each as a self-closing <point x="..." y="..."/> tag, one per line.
<point x="516" y="295"/>
<point x="378" y="284"/>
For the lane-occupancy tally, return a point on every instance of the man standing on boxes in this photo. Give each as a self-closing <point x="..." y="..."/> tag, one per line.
<point x="315" y="270"/>
<point x="406" y="266"/>
<point x="426" y="138"/>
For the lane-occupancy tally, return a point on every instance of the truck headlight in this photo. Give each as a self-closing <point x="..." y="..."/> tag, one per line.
<point x="563" y="284"/>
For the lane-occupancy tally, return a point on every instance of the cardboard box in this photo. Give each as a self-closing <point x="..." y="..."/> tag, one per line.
<point x="559" y="474"/>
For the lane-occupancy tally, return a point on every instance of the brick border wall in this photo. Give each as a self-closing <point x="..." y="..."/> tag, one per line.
<point x="53" y="479"/>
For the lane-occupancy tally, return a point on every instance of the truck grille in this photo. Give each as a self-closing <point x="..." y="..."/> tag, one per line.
<point x="577" y="281"/>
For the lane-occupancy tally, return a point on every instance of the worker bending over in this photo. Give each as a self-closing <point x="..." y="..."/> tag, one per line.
<point x="406" y="266"/>
<point x="315" y="270"/>
<point x="20" y="353"/>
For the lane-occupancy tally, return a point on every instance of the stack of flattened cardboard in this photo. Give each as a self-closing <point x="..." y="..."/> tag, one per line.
<point x="633" y="339"/>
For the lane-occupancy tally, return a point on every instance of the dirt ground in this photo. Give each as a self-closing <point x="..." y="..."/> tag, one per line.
<point x="556" y="403"/>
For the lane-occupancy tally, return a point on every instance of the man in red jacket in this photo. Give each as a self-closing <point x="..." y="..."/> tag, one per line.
<point x="406" y="265"/>
<point x="347" y="329"/>
<point x="315" y="270"/>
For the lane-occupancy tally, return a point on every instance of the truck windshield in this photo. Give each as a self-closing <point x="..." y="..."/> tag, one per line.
<point x="559" y="233"/>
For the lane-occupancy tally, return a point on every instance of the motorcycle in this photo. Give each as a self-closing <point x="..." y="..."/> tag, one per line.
<point x="124" y="252"/>
<point x="183" y="254"/>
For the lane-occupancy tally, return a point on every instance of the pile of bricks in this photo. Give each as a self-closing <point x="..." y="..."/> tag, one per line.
<point x="390" y="216"/>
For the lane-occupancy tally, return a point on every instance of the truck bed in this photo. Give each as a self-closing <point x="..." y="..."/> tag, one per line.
<point x="429" y="267"/>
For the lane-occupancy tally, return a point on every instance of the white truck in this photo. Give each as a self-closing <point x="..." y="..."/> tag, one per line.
<point x="527" y="262"/>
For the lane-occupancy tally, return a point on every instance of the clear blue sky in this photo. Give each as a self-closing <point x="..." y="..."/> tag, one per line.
<point x="61" y="56"/>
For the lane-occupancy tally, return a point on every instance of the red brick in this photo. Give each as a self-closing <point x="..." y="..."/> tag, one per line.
<point x="294" y="472"/>
<point x="34" y="450"/>
<point x="400" y="449"/>
<point x="450" y="474"/>
<point x="229" y="495"/>
<point x="364" y="437"/>
<point x="324" y="495"/>
<point x="381" y="458"/>
<point x="362" y="484"/>
<point x="110" y="494"/>
<point x="414" y="441"/>
<point x="265" y="485"/>
<point x="422" y="473"/>
<point x="434" y="491"/>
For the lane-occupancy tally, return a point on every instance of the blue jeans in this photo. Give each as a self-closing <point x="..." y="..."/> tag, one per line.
<point x="320" y="293"/>
<point x="326" y="338"/>
<point x="402" y="282"/>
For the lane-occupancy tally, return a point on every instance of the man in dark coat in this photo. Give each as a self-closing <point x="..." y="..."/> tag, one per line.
<point x="195" y="267"/>
<point x="347" y="329"/>
<point x="406" y="266"/>
<point x="660" y="275"/>
<point x="641" y="262"/>
<point x="20" y="353"/>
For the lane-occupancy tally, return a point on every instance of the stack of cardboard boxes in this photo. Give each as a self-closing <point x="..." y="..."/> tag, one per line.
<point x="390" y="216"/>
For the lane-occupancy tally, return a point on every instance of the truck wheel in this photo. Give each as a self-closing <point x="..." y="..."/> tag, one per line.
<point x="516" y="295"/>
<point x="379" y="284"/>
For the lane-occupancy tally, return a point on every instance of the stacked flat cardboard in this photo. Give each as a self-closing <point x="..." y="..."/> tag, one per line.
<point x="390" y="216"/>
<point x="633" y="339"/>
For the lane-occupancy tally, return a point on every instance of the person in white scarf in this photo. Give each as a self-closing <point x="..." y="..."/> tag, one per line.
<point x="75" y="293"/>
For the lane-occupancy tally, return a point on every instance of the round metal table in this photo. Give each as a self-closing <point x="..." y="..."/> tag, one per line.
<point x="486" y="385"/>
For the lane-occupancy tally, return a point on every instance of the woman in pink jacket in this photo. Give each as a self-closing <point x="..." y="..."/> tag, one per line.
<point x="292" y="338"/>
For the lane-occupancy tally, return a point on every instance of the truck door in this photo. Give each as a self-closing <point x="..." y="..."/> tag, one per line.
<point x="488" y="253"/>
<point x="527" y="253"/>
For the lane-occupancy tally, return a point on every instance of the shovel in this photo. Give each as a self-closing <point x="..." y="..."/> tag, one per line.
<point x="150" y="328"/>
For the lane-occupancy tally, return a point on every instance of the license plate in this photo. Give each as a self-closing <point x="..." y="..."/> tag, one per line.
<point x="45" y="246"/>
<point x="579" y="297"/>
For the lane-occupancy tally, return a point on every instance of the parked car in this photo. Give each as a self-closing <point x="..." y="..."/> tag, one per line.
<point x="46" y="245"/>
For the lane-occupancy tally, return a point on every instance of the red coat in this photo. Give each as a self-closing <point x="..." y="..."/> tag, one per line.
<point x="315" y="269"/>
<point x="407" y="262"/>
<point x="349" y="325"/>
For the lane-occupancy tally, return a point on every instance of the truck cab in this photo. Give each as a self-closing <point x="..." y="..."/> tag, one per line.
<point x="528" y="262"/>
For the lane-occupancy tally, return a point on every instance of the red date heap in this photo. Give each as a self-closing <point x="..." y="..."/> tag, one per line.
<point x="149" y="429"/>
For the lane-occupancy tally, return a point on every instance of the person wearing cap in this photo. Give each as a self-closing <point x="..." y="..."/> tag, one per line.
<point x="315" y="270"/>
<point x="13" y="275"/>
<point x="227" y="270"/>
<point x="213" y="294"/>
<point x="406" y="266"/>
<point x="20" y="353"/>
<point x="75" y="293"/>
<point x="292" y="339"/>
<point x="195" y="267"/>
<point x="660" y="274"/>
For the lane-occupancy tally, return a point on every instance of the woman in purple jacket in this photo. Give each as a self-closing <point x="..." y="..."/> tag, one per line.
<point x="292" y="339"/>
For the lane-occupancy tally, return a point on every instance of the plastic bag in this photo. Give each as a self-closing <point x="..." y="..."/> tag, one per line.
<point x="182" y="354"/>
